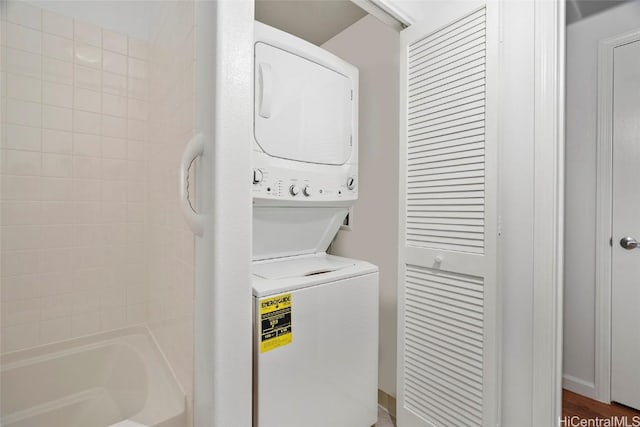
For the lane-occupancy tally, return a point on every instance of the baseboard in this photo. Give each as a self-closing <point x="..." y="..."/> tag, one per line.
<point x="582" y="387"/>
<point x="388" y="402"/>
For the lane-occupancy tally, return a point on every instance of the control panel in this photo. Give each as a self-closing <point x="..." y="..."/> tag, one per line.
<point x="286" y="184"/>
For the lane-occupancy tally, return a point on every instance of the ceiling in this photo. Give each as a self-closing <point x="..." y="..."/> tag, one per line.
<point x="580" y="9"/>
<point x="313" y="20"/>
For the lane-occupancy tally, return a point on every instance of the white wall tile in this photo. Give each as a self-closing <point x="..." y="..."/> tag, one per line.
<point x="87" y="78"/>
<point x="57" y="47"/>
<point x="57" y="165"/>
<point x="24" y="63"/>
<point x="56" y="260"/>
<point x="21" y="237"/>
<point x="57" y="236"/>
<point x="137" y="130"/>
<point x="22" y="13"/>
<point x="21" y="213"/>
<point x="85" y="324"/>
<point x="19" y="263"/>
<point x="57" y="94"/>
<point x="114" y="84"/>
<point x="138" y="88"/>
<point x="73" y="164"/>
<point x="54" y="70"/>
<point x="114" y="169"/>
<point x="114" y="148"/>
<point x="21" y="311"/>
<point x="136" y="314"/>
<point x="23" y="138"/>
<point x="18" y="162"/>
<point x="113" y="191"/>
<point x="23" y="38"/>
<point x="54" y="330"/>
<point x="115" y="63"/>
<point x="115" y="127"/>
<point x="57" y="118"/>
<point x="87" y="167"/>
<point x="21" y="287"/>
<point x="138" y="49"/>
<point x="87" y="100"/>
<point x="137" y="68"/>
<point x="24" y="88"/>
<point x="87" y="55"/>
<point x="20" y="187"/>
<point x="57" y="189"/>
<point x="113" y="212"/>
<point x="87" y="190"/>
<point x="86" y="122"/>
<point x="20" y="336"/>
<point x="57" y="305"/>
<point x="87" y="33"/>
<point x="114" y="42"/>
<point x="114" y="105"/>
<point x="86" y="145"/>
<point x="136" y="150"/>
<point x="137" y="109"/>
<point x="24" y="113"/>
<point x="54" y="23"/>
<point x="55" y="141"/>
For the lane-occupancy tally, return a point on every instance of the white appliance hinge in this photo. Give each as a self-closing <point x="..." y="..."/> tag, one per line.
<point x="350" y="140"/>
<point x="499" y="225"/>
<point x="352" y="94"/>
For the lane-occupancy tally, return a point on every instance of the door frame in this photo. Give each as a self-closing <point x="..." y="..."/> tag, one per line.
<point x="604" y="205"/>
<point x="223" y="299"/>
<point x="548" y="223"/>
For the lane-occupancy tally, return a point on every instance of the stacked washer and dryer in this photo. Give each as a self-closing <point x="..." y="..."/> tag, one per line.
<point x="316" y="315"/>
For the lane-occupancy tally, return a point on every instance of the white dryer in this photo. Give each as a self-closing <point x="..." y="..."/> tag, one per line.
<point x="316" y="315"/>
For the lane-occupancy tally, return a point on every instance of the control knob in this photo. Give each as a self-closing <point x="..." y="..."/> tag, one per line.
<point x="294" y="190"/>
<point x="306" y="191"/>
<point x="351" y="183"/>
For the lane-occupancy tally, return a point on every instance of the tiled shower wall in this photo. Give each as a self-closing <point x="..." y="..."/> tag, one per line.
<point x="170" y="242"/>
<point x="74" y="142"/>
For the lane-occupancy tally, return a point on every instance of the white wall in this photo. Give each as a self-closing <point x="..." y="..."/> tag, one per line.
<point x="133" y="18"/>
<point x="374" y="48"/>
<point x="73" y="196"/>
<point x="579" y="307"/>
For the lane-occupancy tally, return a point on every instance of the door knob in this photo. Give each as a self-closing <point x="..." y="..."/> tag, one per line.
<point x="628" y="243"/>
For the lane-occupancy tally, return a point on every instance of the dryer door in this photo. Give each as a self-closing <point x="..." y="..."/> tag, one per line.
<point x="302" y="111"/>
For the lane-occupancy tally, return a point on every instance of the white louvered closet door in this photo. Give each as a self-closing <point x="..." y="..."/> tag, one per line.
<point x="448" y="358"/>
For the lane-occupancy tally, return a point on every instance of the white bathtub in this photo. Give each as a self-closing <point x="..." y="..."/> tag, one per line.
<point x="117" y="378"/>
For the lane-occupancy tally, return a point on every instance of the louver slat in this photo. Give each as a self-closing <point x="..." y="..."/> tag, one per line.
<point x="446" y="137"/>
<point x="443" y="368"/>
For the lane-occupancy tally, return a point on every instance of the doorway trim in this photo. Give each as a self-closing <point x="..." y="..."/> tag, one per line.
<point x="548" y="222"/>
<point x="604" y="215"/>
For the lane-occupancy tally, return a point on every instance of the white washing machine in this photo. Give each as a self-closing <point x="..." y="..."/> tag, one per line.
<point x="316" y="315"/>
<point x="315" y="342"/>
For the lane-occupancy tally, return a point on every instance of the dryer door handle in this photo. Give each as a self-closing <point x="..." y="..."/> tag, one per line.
<point x="266" y="90"/>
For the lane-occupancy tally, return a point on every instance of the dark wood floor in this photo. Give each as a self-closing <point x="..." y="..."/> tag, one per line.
<point x="585" y="408"/>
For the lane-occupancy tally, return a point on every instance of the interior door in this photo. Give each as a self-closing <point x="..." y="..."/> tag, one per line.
<point x="625" y="263"/>
<point x="447" y="349"/>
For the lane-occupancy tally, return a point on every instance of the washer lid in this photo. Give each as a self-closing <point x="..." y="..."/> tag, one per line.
<point x="299" y="267"/>
<point x="302" y="110"/>
<point x="288" y="274"/>
<point x="288" y="231"/>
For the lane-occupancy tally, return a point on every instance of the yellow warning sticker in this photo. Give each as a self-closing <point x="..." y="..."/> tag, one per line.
<point x="275" y="322"/>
